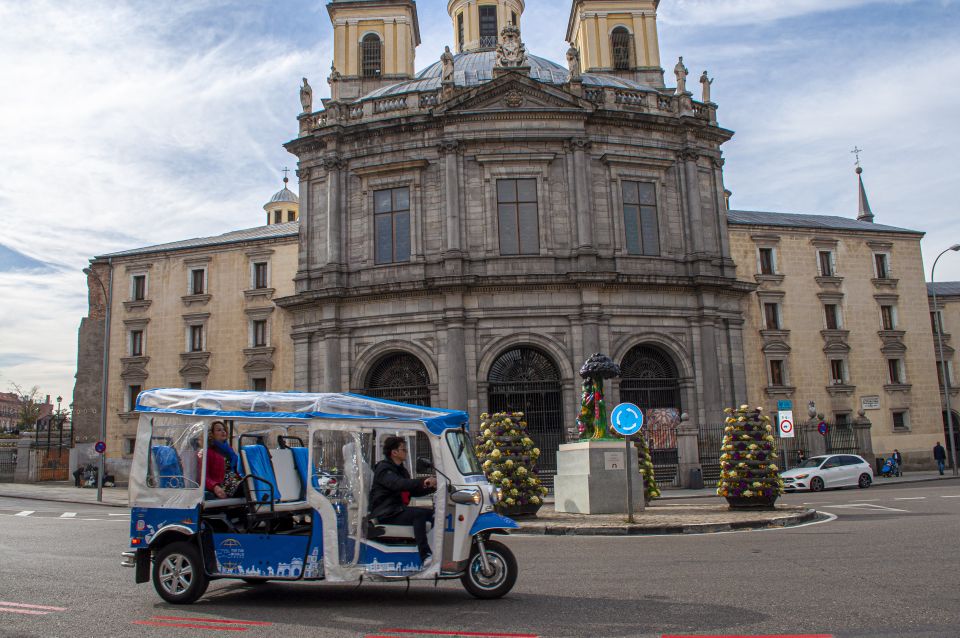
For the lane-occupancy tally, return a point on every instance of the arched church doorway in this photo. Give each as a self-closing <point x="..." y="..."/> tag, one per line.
<point x="399" y="376"/>
<point x="527" y="380"/>
<point x="649" y="379"/>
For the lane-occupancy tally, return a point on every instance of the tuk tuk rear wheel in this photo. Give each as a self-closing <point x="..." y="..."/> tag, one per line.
<point x="178" y="574"/>
<point x="504" y="575"/>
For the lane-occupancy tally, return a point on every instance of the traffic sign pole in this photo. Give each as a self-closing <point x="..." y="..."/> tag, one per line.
<point x="626" y="455"/>
<point x="627" y="419"/>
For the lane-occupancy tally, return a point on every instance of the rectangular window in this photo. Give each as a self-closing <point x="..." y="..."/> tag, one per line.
<point x="139" y="287"/>
<point x="640" y="218"/>
<point x="513" y="18"/>
<point x="936" y="322"/>
<point x="771" y="316"/>
<point x="391" y="224"/>
<point x="488" y="25"/>
<point x="767" y="264"/>
<point x="895" y="371"/>
<point x="460" y="31"/>
<point x="825" y="258"/>
<point x="831" y="313"/>
<point x="776" y="372"/>
<point x="196" y="338"/>
<point x="133" y="391"/>
<point x="888" y="318"/>
<point x="260" y="279"/>
<point x="881" y="265"/>
<point x="518" y="217"/>
<point x="198" y="281"/>
<point x="836" y="371"/>
<point x="259" y="333"/>
<point x="900" y="420"/>
<point x="291" y="216"/>
<point x="136" y="343"/>
<point x="260" y="384"/>
<point x="841" y="419"/>
<point x="277" y="216"/>
<point x="195" y="385"/>
<point x="129" y="445"/>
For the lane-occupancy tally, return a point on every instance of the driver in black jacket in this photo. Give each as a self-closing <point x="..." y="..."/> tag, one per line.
<point x="391" y="492"/>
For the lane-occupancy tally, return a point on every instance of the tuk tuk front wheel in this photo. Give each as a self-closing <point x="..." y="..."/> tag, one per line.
<point x="503" y="567"/>
<point x="178" y="574"/>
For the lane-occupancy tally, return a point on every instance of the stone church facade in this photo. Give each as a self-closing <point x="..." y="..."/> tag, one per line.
<point x="471" y="234"/>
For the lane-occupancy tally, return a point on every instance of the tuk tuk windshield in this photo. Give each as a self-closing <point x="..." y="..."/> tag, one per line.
<point x="463" y="453"/>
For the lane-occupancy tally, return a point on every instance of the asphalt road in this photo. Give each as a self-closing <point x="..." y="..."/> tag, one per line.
<point x="887" y="565"/>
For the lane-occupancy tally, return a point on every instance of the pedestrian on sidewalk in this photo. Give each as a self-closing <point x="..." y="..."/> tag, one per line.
<point x="940" y="456"/>
<point x="899" y="459"/>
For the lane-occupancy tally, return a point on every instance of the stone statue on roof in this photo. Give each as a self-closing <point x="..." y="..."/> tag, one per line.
<point x="706" y="82"/>
<point x="334" y="75"/>
<point x="681" y="72"/>
<point x="306" y="97"/>
<point x="573" y="62"/>
<point x="446" y="59"/>
<point x="510" y="52"/>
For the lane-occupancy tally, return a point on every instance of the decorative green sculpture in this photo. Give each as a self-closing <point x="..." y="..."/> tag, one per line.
<point x="592" y="423"/>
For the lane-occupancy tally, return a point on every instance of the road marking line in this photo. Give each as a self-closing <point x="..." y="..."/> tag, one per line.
<point x="68" y="515"/>
<point x="124" y="514"/>
<point x="866" y="500"/>
<point x="868" y="505"/>
<point x="25" y="513"/>
<point x="431" y="632"/>
<point x="950" y="496"/>
<point x="750" y="636"/>
<point x="254" y="623"/>
<point x="24" y="611"/>
<point x="157" y="623"/>
<point x="817" y="503"/>
<point x="910" y="498"/>
<point x="7" y="604"/>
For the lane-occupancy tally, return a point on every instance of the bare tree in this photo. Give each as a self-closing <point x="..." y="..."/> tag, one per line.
<point x="30" y="405"/>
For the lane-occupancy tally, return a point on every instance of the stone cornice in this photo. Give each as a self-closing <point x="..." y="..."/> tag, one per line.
<point x="392" y="167"/>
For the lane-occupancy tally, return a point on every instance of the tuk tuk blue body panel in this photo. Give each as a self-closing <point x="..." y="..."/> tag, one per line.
<point x="145" y="523"/>
<point x="492" y="520"/>
<point x="261" y="555"/>
<point x="386" y="563"/>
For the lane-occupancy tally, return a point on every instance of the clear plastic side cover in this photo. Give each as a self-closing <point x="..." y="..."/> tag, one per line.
<point x="168" y="461"/>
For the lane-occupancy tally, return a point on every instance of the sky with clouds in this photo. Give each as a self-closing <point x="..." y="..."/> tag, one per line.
<point x="126" y="123"/>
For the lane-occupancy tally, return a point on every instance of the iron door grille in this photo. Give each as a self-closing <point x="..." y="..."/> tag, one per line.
<point x="399" y="377"/>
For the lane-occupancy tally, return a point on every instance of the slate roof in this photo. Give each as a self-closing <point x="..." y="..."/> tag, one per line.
<point x="476" y="67"/>
<point x="825" y="222"/>
<point x="274" y="231"/>
<point x="284" y="195"/>
<point x="945" y="288"/>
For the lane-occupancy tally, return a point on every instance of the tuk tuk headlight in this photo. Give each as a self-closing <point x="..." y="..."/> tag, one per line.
<point x="467" y="497"/>
<point x="497" y="494"/>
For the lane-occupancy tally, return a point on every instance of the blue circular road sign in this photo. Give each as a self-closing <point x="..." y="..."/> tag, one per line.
<point x="627" y="419"/>
<point x="822" y="428"/>
<point x="100" y="447"/>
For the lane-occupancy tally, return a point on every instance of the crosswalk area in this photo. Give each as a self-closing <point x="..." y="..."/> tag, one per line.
<point x="25" y="609"/>
<point x="77" y="514"/>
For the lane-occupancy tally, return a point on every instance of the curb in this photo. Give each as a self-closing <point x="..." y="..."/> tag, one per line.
<point x="669" y="530"/>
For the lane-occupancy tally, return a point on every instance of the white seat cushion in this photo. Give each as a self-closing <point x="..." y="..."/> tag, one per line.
<point x="288" y="478"/>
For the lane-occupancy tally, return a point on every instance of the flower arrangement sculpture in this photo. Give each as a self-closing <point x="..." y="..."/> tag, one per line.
<point x="749" y="476"/>
<point x="592" y="423"/>
<point x="509" y="458"/>
<point x="650" y="489"/>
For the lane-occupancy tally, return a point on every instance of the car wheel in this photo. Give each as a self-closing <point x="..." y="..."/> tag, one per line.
<point x="178" y="574"/>
<point x="816" y="484"/>
<point x="864" y="481"/>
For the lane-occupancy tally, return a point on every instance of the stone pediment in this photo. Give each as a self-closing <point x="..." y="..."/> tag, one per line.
<point x="514" y="92"/>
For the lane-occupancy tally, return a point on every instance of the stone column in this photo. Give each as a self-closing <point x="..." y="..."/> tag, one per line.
<point x="688" y="450"/>
<point x="302" y="365"/>
<point x="449" y="149"/>
<point x="861" y="430"/>
<point x="694" y="212"/>
<point x="712" y="401"/>
<point x="333" y="165"/>
<point x="816" y="443"/>
<point x="581" y="177"/>
<point x="26" y="468"/>
<point x="456" y="364"/>
<point x="331" y="362"/>
<point x="305" y="250"/>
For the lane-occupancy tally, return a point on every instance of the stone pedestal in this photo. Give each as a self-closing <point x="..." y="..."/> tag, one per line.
<point x="688" y="451"/>
<point x="592" y="478"/>
<point x="861" y="429"/>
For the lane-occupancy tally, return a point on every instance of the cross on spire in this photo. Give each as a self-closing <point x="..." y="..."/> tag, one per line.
<point x="856" y="151"/>
<point x="285" y="171"/>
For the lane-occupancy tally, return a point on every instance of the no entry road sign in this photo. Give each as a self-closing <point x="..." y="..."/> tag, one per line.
<point x="785" y="419"/>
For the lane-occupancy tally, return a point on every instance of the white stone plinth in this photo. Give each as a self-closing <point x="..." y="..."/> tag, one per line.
<point x="592" y="478"/>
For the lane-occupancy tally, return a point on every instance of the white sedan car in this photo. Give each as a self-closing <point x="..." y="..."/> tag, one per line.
<point x="832" y="470"/>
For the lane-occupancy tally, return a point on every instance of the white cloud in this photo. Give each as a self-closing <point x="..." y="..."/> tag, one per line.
<point x="740" y="12"/>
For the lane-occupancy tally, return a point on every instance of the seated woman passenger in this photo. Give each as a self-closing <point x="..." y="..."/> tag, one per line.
<point x="223" y="464"/>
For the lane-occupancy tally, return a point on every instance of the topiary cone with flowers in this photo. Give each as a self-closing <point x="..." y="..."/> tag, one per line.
<point x="650" y="489"/>
<point x="509" y="458"/>
<point x="749" y="476"/>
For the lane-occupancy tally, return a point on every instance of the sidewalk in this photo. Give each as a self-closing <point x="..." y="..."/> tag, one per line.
<point x="667" y="515"/>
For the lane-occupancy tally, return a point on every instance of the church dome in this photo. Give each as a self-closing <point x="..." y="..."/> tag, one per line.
<point x="283" y="196"/>
<point x="474" y="68"/>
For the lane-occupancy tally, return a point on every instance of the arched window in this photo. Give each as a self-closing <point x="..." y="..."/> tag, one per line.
<point x="649" y="379"/>
<point x="371" y="55"/>
<point x="399" y="376"/>
<point x="621" y="45"/>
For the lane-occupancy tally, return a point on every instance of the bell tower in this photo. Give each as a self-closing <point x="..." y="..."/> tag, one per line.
<point x="374" y="43"/>
<point x="477" y="23"/>
<point x="618" y="37"/>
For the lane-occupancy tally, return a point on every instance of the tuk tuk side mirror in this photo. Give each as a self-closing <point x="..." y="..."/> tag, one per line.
<point x="424" y="466"/>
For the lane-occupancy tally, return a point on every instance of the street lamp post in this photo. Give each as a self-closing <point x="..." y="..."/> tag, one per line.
<point x="943" y="361"/>
<point x="108" y="301"/>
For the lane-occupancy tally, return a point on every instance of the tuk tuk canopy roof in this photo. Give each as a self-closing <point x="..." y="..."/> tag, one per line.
<point x="293" y="405"/>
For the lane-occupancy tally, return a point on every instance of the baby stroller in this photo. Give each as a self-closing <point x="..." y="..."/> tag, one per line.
<point x="890" y="468"/>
